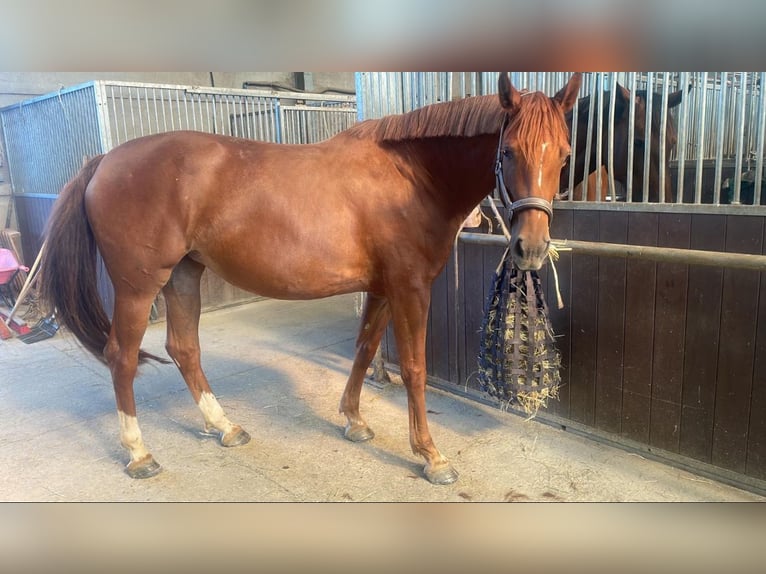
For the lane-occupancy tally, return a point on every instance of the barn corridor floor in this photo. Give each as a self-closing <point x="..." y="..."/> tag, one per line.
<point x="278" y="369"/>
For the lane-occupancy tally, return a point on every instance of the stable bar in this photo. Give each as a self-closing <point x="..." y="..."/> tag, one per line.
<point x="683" y="114"/>
<point x="631" y="137"/>
<point x="663" y="135"/>
<point x="647" y="135"/>
<point x="660" y="254"/>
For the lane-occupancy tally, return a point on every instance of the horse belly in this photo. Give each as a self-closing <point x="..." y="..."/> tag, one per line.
<point x="291" y="271"/>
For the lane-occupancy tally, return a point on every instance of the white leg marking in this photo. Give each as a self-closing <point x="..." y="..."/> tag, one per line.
<point x="213" y="413"/>
<point x="130" y="436"/>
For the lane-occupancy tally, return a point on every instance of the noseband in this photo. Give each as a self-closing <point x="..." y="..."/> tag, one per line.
<point x="520" y="204"/>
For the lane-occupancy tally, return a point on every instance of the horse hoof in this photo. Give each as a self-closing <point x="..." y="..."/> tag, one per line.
<point x="236" y="437"/>
<point x="146" y="467"/>
<point x="442" y="475"/>
<point x="358" y="433"/>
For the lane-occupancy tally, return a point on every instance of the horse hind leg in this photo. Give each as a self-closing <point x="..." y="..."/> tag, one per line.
<point x="129" y="323"/>
<point x="375" y="317"/>
<point x="182" y="297"/>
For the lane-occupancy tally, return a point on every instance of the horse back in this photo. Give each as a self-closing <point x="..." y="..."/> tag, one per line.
<point x="289" y="221"/>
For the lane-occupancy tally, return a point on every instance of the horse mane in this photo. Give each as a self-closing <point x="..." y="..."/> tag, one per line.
<point x="468" y="117"/>
<point x="535" y="123"/>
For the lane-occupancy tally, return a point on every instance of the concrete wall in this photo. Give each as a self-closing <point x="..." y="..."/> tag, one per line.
<point x="19" y="86"/>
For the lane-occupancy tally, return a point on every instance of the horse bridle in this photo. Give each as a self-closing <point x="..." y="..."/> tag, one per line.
<point x="520" y="204"/>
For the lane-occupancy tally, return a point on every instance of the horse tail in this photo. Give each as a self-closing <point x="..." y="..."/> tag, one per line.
<point x="69" y="268"/>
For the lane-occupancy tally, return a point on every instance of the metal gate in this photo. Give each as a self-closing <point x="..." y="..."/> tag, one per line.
<point x="664" y="358"/>
<point x="721" y="121"/>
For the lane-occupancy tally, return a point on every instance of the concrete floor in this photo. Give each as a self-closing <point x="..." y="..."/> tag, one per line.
<point x="278" y="369"/>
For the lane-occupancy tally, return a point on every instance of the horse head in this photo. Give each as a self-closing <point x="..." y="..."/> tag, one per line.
<point x="621" y="140"/>
<point x="640" y="143"/>
<point x="534" y="146"/>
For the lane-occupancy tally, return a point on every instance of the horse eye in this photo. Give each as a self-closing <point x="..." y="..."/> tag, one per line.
<point x="507" y="153"/>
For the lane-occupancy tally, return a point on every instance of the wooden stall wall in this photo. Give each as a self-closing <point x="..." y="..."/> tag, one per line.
<point x="668" y="356"/>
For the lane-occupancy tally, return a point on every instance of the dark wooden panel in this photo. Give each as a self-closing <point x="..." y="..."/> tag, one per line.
<point x="582" y="383"/>
<point x="561" y="228"/>
<point x="453" y="339"/>
<point x="756" y="438"/>
<point x="703" y="318"/>
<point x="491" y="259"/>
<point x="739" y="312"/>
<point x="437" y="342"/>
<point x="640" y="287"/>
<point x="613" y="228"/>
<point x="462" y="368"/>
<point x="669" y="329"/>
<point x="473" y="290"/>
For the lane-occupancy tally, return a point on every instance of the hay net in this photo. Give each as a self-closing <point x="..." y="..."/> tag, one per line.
<point x="518" y="359"/>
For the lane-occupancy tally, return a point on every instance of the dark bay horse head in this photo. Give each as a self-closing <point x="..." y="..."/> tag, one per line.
<point x="641" y="144"/>
<point x="534" y="146"/>
<point x="621" y="140"/>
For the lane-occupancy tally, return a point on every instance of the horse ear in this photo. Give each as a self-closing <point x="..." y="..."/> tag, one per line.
<point x="567" y="96"/>
<point x="623" y="96"/>
<point x="510" y="97"/>
<point x="623" y="93"/>
<point x="675" y="98"/>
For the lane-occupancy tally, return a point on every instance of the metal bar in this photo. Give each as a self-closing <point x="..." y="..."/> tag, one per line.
<point x="719" y="138"/>
<point x="740" y="137"/>
<point x="164" y="111"/>
<point x="610" y="138"/>
<point x="599" y="138"/>
<point x="140" y="114"/>
<point x="100" y="102"/>
<point x="648" y="135"/>
<point x="573" y="154"/>
<point x="761" y="127"/>
<point x="645" y="252"/>
<point x="266" y="94"/>
<point x="663" y="135"/>
<point x="681" y="148"/>
<point x="588" y="145"/>
<point x="37" y="99"/>
<point x="156" y="111"/>
<point x="124" y="119"/>
<point x="700" y="141"/>
<point x="631" y="137"/>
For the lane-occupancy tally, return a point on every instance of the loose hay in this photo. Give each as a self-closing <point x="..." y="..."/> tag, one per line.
<point x="518" y="359"/>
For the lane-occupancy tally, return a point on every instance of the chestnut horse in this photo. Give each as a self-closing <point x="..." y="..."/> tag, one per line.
<point x="375" y="209"/>
<point x="621" y="135"/>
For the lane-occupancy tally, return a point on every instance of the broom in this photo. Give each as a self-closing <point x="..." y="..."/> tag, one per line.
<point x="518" y="359"/>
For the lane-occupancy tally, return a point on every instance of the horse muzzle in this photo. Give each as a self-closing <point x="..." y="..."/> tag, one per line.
<point x="529" y="255"/>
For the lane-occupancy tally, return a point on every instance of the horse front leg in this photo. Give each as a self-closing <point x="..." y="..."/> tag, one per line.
<point x="375" y="317"/>
<point x="409" y="310"/>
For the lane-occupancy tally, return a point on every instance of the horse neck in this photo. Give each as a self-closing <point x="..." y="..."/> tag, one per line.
<point x="456" y="173"/>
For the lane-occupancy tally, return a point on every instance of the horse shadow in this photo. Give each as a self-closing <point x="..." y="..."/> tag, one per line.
<point x="63" y="390"/>
<point x="279" y="397"/>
